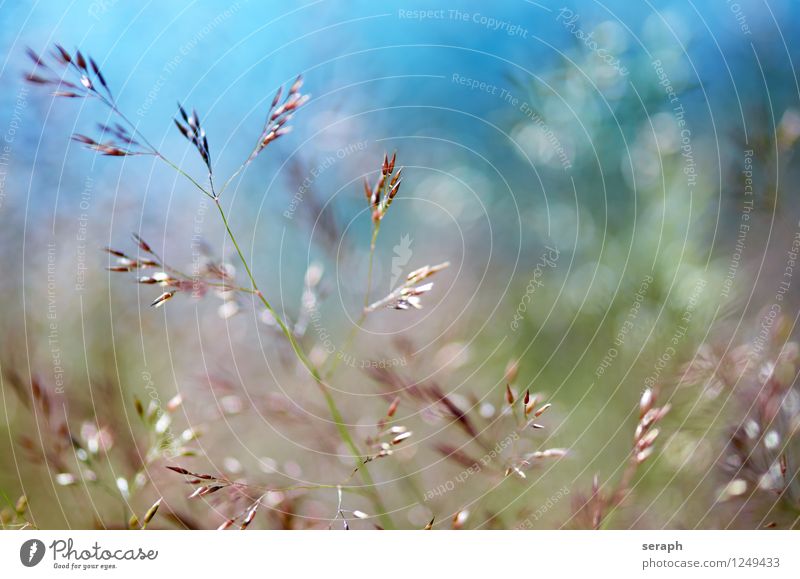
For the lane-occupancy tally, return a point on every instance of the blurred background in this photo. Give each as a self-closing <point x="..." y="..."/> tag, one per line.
<point x="611" y="182"/>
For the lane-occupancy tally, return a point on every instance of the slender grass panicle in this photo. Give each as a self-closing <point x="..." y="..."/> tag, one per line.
<point x="211" y="275"/>
<point x="407" y="295"/>
<point x="151" y="269"/>
<point x="594" y="510"/>
<point x="493" y="444"/>
<point x="381" y="195"/>
<point x="192" y="131"/>
<point x="760" y="461"/>
<point x="581" y="313"/>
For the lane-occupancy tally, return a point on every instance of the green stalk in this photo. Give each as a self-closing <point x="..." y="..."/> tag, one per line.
<point x="351" y="336"/>
<point x="375" y="231"/>
<point x="341" y="426"/>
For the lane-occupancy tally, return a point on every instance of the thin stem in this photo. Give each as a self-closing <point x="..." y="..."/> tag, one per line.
<point x="623" y="489"/>
<point x="189" y="177"/>
<point x="364" y="311"/>
<point x="228" y="287"/>
<point x="331" y="403"/>
<point x="112" y="105"/>
<point x="211" y="184"/>
<point x="242" y="167"/>
<point x="223" y="285"/>
<point x="301" y="355"/>
<point x="234" y="175"/>
<point x="396" y="293"/>
<point x="375" y="231"/>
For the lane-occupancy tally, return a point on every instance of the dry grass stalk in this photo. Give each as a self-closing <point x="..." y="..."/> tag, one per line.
<point x="595" y="509"/>
<point x="407" y="295"/>
<point x="81" y="454"/>
<point x="213" y="275"/>
<point x="761" y="463"/>
<point x="52" y="70"/>
<point x="126" y="139"/>
<point x="280" y="114"/>
<point x="16" y="517"/>
<point x="381" y="195"/>
<point x="195" y="134"/>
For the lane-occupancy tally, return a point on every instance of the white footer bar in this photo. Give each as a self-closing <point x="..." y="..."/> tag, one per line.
<point x="404" y="554"/>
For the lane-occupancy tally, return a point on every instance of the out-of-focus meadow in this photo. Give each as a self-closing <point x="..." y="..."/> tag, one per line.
<point x="611" y="183"/>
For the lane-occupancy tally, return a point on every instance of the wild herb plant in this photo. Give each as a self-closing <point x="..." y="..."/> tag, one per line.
<point x="75" y="76"/>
